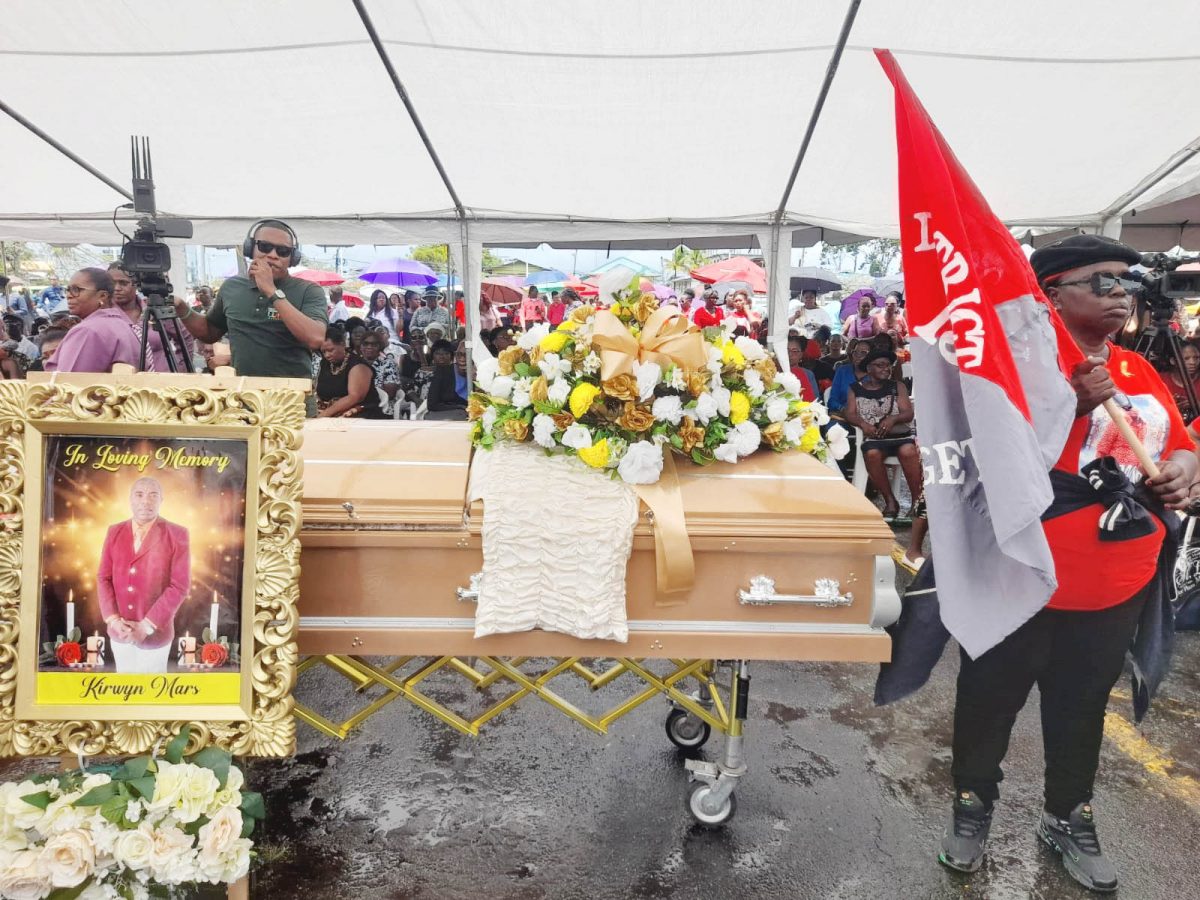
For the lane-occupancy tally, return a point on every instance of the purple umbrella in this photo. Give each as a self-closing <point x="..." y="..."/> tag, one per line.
<point x="399" y="272"/>
<point x="850" y="304"/>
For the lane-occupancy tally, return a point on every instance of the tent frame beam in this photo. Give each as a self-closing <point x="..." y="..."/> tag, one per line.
<point x="830" y="72"/>
<point x="408" y="105"/>
<point x="65" y="151"/>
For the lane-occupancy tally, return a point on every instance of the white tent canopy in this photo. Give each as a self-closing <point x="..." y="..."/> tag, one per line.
<point x="546" y="117"/>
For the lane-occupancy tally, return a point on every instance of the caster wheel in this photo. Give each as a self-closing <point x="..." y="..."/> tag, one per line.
<point x="685" y="731"/>
<point x="697" y="795"/>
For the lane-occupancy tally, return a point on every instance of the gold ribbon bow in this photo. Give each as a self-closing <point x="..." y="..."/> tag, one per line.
<point x="666" y="337"/>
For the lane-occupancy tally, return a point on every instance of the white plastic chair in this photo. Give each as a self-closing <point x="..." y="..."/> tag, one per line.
<point x="860" y="480"/>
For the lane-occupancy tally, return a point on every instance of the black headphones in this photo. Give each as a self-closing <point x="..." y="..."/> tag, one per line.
<point x="248" y="243"/>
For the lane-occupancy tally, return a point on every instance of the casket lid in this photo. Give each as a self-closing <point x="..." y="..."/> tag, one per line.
<point x="396" y="474"/>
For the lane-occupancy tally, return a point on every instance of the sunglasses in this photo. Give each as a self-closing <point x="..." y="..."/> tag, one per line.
<point x="74" y="290"/>
<point x="1102" y="283"/>
<point x="281" y="250"/>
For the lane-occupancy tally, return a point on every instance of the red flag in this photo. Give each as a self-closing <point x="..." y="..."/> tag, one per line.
<point x="993" y="402"/>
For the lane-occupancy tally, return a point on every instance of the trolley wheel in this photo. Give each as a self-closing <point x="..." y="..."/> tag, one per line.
<point x="686" y="731"/>
<point x="698" y="794"/>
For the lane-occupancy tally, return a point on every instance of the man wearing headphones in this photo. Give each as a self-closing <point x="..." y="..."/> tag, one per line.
<point x="274" y="321"/>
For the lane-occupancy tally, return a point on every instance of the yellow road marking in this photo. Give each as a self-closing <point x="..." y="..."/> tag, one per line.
<point x="1176" y="708"/>
<point x="1156" y="763"/>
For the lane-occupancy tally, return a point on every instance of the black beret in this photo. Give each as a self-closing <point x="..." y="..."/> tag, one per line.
<point x="1079" y="250"/>
<point x="880" y="354"/>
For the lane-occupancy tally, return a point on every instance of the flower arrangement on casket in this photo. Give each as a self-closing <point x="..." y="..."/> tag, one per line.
<point x="149" y="828"/>
<point x="617" y="386"/>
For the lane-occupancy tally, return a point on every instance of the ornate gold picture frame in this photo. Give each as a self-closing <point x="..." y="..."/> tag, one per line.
<point x="85" y="463"/>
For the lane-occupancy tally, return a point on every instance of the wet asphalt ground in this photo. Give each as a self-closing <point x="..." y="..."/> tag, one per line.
<point x="842" y="800"/>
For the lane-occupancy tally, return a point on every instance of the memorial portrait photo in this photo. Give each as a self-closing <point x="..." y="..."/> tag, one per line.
<point x="142" y="569"/>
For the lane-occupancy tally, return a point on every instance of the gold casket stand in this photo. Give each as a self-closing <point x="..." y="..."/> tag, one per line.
<point x="791" y="564"/>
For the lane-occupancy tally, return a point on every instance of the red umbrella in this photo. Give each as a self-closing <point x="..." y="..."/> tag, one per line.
<point x="500" y="292"/>
<point x="737" y="268"/>
<point x="319" y="276"/>
<point x="582" y="288"/>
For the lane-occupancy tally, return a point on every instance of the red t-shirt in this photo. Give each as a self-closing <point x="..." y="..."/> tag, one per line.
<point x="1094" y="574"/>
<point x="705" y="319"/>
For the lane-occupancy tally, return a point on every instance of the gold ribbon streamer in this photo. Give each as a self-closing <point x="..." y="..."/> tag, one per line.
<point x="667" y="336"/>
<point x="676" y="569"/>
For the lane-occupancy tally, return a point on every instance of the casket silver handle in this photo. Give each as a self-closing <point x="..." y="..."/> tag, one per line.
<point x="827" y="593"/>
<point x="470" y="594"/>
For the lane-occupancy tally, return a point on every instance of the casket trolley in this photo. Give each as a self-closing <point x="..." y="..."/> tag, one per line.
<point x="791" y="564"/>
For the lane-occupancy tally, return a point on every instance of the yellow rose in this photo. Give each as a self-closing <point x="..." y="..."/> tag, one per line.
<point x="554" y="342"/>
<point x="698" y="382"/>
<point x="636" y="418"/>
<point x="475" y="406"/>
<point x="539" y="392"/>
<point x="596" y="455"/>
<point x="773" y="433"/>
<point x="583" y="313"/>
<point x="621" y="387"/>
<point x="767" y="369"/>
<point x="812" y="436"/>
<point x="732" y="356"/>
<point x="646" y="306"/>
<point x="516" y="429"/>
<point x="739" y="407"/>
<point x="582" y="396"/>
<point x="563" y="420"/>
<point x="691" y="434"/>
<point x="508" y="359"/>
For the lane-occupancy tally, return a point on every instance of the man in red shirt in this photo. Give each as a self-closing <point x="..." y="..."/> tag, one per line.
<point x="1074" y="649"/>
<point x="709" y="314"/>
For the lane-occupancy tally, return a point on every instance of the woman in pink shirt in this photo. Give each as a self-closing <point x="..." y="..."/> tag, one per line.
<point x="533" y="310"/>
<point x="104" y="336"/>
<point x="864" y="324"/>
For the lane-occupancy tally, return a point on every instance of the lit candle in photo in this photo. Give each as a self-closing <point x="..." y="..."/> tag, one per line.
<point x="212" y="618"/>
<point x="189" y="649"/>
<point x="93" y="649"/>
<point x="70" y="612"/>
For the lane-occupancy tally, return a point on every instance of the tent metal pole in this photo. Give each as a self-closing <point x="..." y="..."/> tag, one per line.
<point x="73" y="157"/>
<point x="830" y="72"/>
<point x="408" y="105"/>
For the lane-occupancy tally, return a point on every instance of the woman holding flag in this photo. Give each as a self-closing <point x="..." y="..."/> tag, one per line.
<point x="1106" y="529"/>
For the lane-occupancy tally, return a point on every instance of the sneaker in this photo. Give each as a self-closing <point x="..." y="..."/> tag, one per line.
<point x="965" y="840"/>
<point x="1075" y="840"/>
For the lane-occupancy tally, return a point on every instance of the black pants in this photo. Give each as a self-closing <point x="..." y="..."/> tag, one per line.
<point x="1074" y="658"/>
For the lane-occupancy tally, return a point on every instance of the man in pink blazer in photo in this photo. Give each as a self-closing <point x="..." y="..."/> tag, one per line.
<point x="144" y="576"/>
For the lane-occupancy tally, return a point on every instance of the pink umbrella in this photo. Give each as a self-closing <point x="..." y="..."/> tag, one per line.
<point x="661" y="291"/>
<point x="583" y="288"/>
<point x="318" y="276"/>
<point x="737" y="268"/>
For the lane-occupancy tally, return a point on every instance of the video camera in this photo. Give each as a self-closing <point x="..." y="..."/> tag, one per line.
<point x="145" y="257"/>
<point x="1163" y="284"/>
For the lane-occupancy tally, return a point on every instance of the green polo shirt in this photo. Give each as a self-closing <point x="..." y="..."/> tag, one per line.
<point x="260" y="343"/>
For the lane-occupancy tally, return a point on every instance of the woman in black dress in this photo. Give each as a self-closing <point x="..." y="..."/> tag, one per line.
<point x="345" y="384"/>
<point x="879" y="405"/>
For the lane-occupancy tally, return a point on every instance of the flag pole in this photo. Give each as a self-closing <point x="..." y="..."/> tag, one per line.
<point x="1135" y="444"/>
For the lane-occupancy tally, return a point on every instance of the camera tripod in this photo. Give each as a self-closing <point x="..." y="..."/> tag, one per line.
<point x="156" y="313"/>
<point x="1159" y="344"/>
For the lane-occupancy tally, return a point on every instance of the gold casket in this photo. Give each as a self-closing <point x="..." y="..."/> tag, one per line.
<point x="791" y="562"/>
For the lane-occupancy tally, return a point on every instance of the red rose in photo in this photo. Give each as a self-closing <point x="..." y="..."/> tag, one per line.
<point x="214" y="654"/>
<point x="68" y="653"/>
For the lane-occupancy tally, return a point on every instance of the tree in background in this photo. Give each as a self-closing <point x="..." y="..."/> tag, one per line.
<point x="13" y="256"/>
<point x="684" y="259"/>
<point x="436" y="256"/>
<point x="877" y="254"/>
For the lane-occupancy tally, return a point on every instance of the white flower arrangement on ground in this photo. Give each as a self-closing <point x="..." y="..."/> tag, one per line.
<point x="149" y="828"/>
<point x="617" y="388"/>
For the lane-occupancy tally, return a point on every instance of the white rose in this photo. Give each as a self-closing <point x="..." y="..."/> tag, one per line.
<point x="577" y="437"/>
<point x="25" y="878"/>
<point x="721" y="395"/>
<point x="793" y="430"/>
<point x="648" y="375"/>
<point x="502" y="386"/>
<point x="559" y="392"/>
<point x="591" y="363"/>
<point x="69" y="858"/>
<point x="520" y="399"/>
<point x="746" y="437"/>
<point x="714" y="359"/>
<point x="706" y="408"/>
<point x="777" y="409"/>
<point x="727" y="452"/>
<point x="218" y="836"/>
<point x="641" y="464"/>
<point x="543" y="431"/>
<point x="234" y="780"/>
<point x="668" y="409"/>
<point x="488" y="419"/>
<point x="94" y="780"/>
<point x="533" y="336"/>
<point x="199" y="788"/>
<point x="790" y="383"/>
<point x="16" y="813"/>
<point x="754" y="383"/>
<point x="838" y="440"/>
<point x="820" y="414"/>
<point x="486" y="372"/>
<point x="237" y="861"/>
<point x="172" y="859"/>
<point x="62" y="815"/>
<point x="13" y="839"/>
<point x="133" y="849"/>
<point x="168" y="785"/>
<point x="751" y="349"/>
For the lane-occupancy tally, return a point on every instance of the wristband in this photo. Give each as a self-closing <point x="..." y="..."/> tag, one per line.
<point x="190" y="312"/>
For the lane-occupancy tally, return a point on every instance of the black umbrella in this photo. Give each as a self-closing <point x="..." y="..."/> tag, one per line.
<point x="814" y="278"/>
